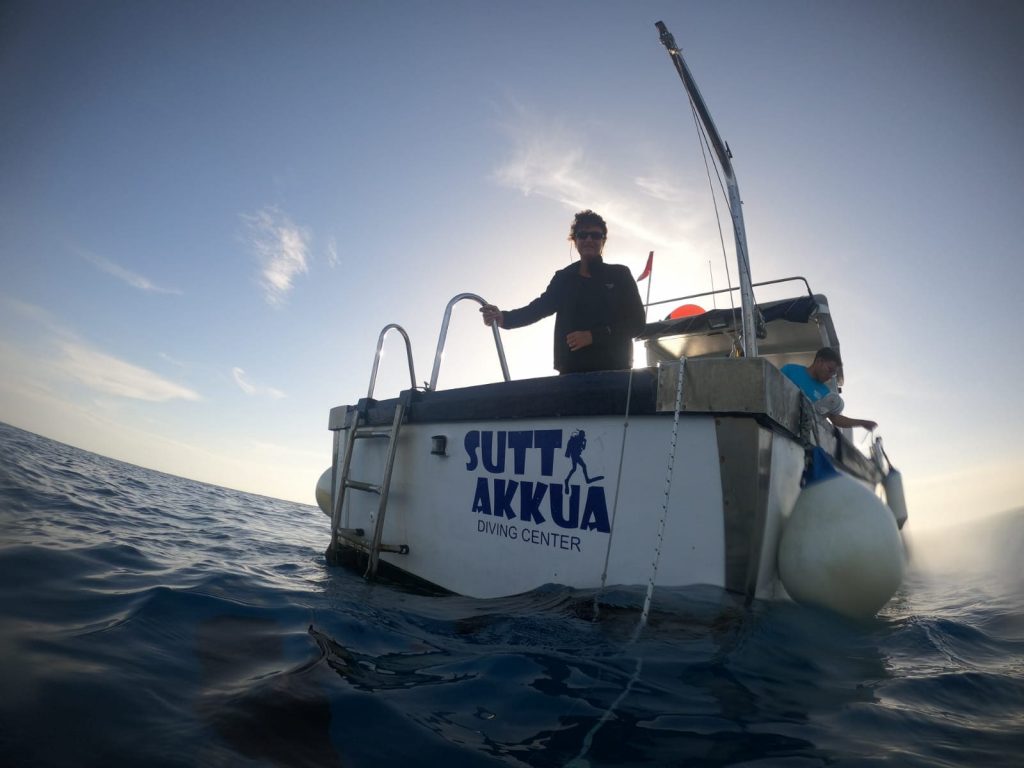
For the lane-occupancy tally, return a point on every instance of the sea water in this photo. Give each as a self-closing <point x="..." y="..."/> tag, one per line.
<point x="151" y="620"/>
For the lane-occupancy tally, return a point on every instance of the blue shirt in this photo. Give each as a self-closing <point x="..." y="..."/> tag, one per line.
<point x="814" y="389"/>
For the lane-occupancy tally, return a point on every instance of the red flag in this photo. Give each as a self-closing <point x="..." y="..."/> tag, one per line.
<point x="647" y="270"/>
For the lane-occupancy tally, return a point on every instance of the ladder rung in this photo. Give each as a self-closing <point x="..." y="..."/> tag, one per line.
<point x="375" y="432"/>
<point x="359" y="543"/>
<point x="356" y="540"/>
<point x="359" y="532"/>
<point x="359" y="485"/>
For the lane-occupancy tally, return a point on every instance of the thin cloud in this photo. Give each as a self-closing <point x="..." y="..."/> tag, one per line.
<point x="332" y="253"/>
<point x="133" y="279"/>
<point x="30" y="312"/>
<point x="173" y="360"/>
<point x="551" y="160"/>
<point x="112" y="376"/>
<point x="283" y="251"/>
<point x="254" y="390"/>
<point x="660" y="189"/>
<point x="545" y="161"/>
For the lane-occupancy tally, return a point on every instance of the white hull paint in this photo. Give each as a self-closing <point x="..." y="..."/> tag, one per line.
<point x="490" y="554"/>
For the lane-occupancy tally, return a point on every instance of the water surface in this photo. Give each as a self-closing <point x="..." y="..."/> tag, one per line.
<point x="152" y="620"/>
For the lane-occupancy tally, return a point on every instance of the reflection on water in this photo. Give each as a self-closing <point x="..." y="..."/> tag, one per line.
<point x="255" y="701"/>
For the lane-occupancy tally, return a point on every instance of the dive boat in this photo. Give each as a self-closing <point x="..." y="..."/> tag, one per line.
<point x="707" y="466"/>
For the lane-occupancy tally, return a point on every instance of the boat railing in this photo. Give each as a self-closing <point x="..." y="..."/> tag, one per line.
<point x="736" y="288"/>
<point x="377" y="354"/>
<point x="790" y="330"/>
<point x="444" y="335"/>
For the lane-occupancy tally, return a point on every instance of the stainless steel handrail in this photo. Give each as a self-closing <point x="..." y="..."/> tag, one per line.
<point x="444" y="335"/>
<point x="376" y="357"/>
<point x="735" y="288"/>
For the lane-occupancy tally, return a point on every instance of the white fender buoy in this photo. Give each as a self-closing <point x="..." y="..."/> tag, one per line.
<point x="841" y="549"/>
<point x="323" y="492"/>
<point x="893" y="485"/>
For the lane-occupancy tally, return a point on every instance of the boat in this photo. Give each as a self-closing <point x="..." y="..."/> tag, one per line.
<point x="707" y="466"/>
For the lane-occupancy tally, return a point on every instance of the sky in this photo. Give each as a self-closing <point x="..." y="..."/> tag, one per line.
<point x="208" y="211"/>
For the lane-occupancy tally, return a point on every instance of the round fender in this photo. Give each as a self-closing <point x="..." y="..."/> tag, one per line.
<point x="323" y="492"/>
<point x="840" y="549"/>
<point x="893" y="485"/>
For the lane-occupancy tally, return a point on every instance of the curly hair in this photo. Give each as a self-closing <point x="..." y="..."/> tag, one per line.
<point x="587" y="218"/>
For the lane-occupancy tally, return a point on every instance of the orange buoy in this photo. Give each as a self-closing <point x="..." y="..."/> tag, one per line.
<point x="686" y="310"/>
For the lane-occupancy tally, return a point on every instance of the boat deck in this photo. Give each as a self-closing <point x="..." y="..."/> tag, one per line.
<point x="752" y="388"/>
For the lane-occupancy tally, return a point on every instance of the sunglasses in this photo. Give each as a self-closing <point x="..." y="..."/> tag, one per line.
<point x="589" y="236"/>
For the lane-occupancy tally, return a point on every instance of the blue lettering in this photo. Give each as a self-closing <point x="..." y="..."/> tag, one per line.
<point x="503" y="495"/>
<point x="497" y="529"/>
<point x="595" y="514"/>
<point x="547" y="440"/>
<point x="557" y="510"/>
<point x="494" y="458"/>
<point x="472" y="442"/>
<point x="519" y="442"/>
<point x="529" y="501"/>
<point x="482" y="497"/>
<point x="488" y="451"/>
<point x="491" y="446"/>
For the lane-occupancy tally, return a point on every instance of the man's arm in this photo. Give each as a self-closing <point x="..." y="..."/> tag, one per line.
<point x="542" y="306"/>
<point x="845" y="421"/>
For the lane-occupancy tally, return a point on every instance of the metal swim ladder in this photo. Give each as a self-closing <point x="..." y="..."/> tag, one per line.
<point x="357" y="430"/>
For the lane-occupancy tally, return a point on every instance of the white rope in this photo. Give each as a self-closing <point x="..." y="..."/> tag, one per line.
<point x="618" y="475"/>
<point x="702" y="139"/>
<point x="664" y="505"/>
<point x="580" y="760"/>
<point x="615" y="500"/>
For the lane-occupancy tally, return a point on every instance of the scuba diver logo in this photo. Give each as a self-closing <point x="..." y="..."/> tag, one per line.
<point x="536" y="497"/>
<point x="574" y="451"/>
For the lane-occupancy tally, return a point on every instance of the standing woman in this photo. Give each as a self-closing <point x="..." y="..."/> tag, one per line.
<point x="597" y="307"/>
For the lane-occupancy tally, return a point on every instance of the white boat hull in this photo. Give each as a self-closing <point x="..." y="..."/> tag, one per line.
<point x="503" y="508"/>
<point x="477" y="526"/>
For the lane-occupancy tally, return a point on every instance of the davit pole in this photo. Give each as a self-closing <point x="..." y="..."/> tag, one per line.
<point x="747" y="306"/>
